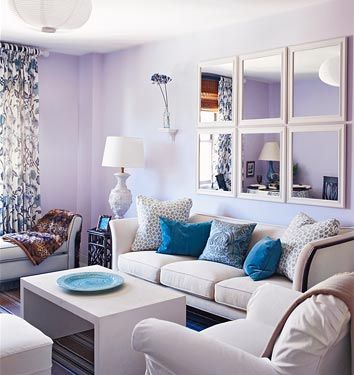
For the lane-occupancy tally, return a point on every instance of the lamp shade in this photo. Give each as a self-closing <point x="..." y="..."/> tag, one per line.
<point x="123" y="152"/>
<point x="50" y="15"/>
<point x="329" y="72"/>
<point x="270" y="152"/>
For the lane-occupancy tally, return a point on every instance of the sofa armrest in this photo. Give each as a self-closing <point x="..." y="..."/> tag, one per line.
<point x="74" y="236"/>
<point x="191" y="353"/>
<point x="123" y="234"/>
<point x="322" y="259"/>
<point x="269" y="303"/>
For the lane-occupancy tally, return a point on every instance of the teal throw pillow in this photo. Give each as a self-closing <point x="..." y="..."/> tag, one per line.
<point x="228" y="243"/>
<point x="180" y="238"/>
<point x="263" y="259"/>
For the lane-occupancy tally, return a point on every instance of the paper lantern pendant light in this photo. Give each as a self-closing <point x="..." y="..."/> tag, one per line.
<point x="50" y="15"/>
<point x="329" y="72"/>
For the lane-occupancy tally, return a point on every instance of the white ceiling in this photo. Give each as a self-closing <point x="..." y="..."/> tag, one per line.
<point x="118" y="24"/>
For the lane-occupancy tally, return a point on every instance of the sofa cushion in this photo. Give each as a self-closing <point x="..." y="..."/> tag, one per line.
<point x="146" y="264"/>
<point x="148" y="235"/>
<point x="197" y="277"/>
<point x="228" y="243"/>
<point x="301" y="231"/>
<point x="10" y="252"/>
<point x="241" y="333"/>
<point x="236" y="292"/>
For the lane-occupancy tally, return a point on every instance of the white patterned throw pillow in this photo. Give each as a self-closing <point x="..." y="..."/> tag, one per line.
<point x="301" y="231"/>
<point x="148" y="235"/>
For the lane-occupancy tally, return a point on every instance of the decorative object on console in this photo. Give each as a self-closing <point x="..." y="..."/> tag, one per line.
<point x="271" y="152"/>
<point x="263" y="259"/>
<point x="301" y="231"/>
<point x="122" y="152"/>
<point x="330" y="188"/>
<point x="228" y="243"/>
<point x="50" y="15"/>
<point x="179" y="238"/>
<point x="162" y="80"/>
<point x="99" y="248"/>
<point x="103" y="223"/>
<point x="148" y="235"/>
<point x="250" y="169"/>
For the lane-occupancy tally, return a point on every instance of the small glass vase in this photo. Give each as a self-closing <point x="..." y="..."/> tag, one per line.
<point x="166" y="119"/>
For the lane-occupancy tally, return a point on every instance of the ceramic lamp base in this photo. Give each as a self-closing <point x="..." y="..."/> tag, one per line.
<point x="120" y="198"/>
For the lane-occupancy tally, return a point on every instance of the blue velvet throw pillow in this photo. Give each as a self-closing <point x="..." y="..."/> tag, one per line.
<point x="228" y="243"/>
<point x="180" y="238"/>
<point x="262" y="261"/>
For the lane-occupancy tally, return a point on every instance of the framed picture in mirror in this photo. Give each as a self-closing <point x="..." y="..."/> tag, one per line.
<point x="318" y="82"/>
<point x="215" y="162"/>
<point x="316" y="165"/>
<point x="217" y="93"/>
<point x="262" y="88"/>
<point x="263" y="178"/>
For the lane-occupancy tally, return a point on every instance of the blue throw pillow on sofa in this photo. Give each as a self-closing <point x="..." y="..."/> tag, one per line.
<point x="180" y="238"/>
<point x="228" y="243"/>
<point x="262" y="261"/>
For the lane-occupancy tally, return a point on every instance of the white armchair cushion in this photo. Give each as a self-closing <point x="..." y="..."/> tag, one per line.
<point x="237" y="291"/>
<point x="174" y="350"/>
<point x="250" y="336"/>
<point x="146" y="264"/>
<point x="314" y="328"/>
<point x="197" y="277"/>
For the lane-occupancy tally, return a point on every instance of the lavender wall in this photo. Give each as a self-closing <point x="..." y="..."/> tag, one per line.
<point x="133" y="107"/>
<point x="85" y="99"/>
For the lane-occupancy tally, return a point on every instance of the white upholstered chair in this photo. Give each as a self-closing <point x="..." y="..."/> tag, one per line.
<point x="315" y="340"/>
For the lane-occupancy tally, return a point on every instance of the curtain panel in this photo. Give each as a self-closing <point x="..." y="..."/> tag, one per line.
<point x="19" y="138"/>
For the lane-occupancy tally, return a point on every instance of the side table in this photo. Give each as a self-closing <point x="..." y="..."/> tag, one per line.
<point x="99" y="248"/>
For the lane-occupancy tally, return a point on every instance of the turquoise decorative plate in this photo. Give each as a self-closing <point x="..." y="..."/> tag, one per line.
<point x="90" y="281"/>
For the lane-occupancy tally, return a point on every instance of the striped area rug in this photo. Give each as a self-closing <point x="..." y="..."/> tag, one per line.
<point x="74" y="354"/>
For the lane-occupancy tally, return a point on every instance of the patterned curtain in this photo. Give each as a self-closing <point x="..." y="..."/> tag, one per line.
<point x="19" y="148"/>
<point x="224" y="143"/>
<point x="225" y="99"/>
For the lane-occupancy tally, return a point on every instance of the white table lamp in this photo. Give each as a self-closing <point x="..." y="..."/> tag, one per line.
<point x="122" y="152"/>
<point x="271" y="152"/>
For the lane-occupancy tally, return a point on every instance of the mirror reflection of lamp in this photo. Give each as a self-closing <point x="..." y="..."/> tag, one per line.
<point x="271" y="152"/>
<point x="329" y="71"/>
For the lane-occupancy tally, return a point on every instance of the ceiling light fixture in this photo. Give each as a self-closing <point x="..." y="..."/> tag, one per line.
<point x="51" y="15"/>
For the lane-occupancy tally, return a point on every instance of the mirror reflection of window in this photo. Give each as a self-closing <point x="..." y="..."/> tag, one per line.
<point x="262" y="87"/>
<point x="316" y="84"/>
<point x="216" y="93"/>
<point x="215" y="161"/>
<point x="315" y="173"/>
<point x="264" y="150"/>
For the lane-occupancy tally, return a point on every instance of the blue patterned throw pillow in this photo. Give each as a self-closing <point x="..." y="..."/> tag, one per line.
<point x="228" y="243"/>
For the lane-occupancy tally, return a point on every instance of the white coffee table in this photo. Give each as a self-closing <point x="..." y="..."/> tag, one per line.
<point x="112" y="315"/>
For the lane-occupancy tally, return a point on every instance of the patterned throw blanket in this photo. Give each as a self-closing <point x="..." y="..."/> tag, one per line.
<point x="50" y="232"/>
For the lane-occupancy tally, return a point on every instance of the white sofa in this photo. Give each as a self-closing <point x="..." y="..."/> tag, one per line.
<point x="221" y="289"/>
<point x="315" y="340"/>
<point x="15" y="264"/>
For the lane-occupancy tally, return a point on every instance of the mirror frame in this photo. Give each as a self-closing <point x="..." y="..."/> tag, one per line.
<point x="283" y="89"/>
<point x="340" y="129"/>
<point x="268" y="130"/>
<point x="219" y="124"/>
<point x="222" y="193"/>
<point x="341" y="116"/>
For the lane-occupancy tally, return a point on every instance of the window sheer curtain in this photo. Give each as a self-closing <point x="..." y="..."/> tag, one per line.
<point x="19" y="138"/>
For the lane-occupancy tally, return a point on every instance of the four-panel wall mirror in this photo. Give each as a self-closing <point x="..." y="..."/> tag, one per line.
<point x="272" y="124"/>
